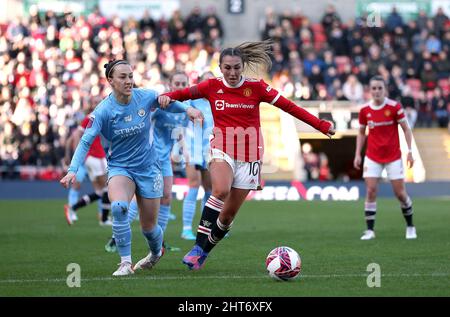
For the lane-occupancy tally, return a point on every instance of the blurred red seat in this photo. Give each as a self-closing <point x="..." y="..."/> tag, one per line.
<point x="180" y="49"/>
<point x="320" y="37"/>
<point x="317" y="28"/>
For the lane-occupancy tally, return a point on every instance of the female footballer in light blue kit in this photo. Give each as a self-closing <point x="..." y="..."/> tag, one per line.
<point x="168" y="130"/>
<point x="123" y="118"/>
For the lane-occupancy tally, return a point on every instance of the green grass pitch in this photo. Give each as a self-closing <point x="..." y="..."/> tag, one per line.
<point x="37" y="245"/>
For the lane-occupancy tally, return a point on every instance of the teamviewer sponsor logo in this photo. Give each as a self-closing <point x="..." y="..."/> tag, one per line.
<point x="220" y="104"/>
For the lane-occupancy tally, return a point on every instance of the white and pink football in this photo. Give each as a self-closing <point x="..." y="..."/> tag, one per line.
<point x="283" y="263"/>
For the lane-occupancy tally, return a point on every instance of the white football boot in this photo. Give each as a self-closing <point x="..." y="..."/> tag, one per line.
<point x="68" y="214"/>
<point x="73" y="215"/>
<point x="125" y="268"/>
<point x="411" y="233"/>
<point x="148" y="262"/>
<point x="107" y="223"/>
<point x="368" y="235"/>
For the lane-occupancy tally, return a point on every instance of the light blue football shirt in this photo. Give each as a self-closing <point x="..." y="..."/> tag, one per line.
<point x="169" y="127"/>
<point x="127" y="128"/>
<point x="197" y="137"/>
<point x="204" y="106"/>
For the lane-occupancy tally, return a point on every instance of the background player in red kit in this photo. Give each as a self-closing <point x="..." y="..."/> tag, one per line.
<point x="95" y="165"/>
<point x="382" y="116"/>
<point x="237" y="145"/>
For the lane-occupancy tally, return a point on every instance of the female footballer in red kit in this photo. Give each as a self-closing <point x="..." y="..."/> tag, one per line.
<point x="237" y="144"/>
<point x="383" y="115"/>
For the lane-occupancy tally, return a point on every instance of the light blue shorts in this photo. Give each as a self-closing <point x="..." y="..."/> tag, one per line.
<point x="81" y="174"/>
<point x="166" y="167"/>
<point x="148" y="181"/>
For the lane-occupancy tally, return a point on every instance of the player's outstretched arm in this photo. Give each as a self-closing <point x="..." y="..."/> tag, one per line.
<point x="171" y="105"/>
<point x="92" y="130"/>
<point x="324" y="126"/>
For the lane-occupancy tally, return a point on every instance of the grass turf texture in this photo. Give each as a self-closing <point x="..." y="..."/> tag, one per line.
<point x="37" y="245"/>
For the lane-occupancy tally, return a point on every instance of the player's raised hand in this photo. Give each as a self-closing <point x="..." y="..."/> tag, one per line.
<point x="194" y="115"/>
<point x="164" y="101"/>
<point x="68" y="179"/>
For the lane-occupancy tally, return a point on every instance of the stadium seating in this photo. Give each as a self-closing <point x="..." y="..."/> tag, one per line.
<point x="320" y="38"/>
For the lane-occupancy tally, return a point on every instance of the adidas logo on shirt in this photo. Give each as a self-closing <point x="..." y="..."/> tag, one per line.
<point x="220" y="91"/>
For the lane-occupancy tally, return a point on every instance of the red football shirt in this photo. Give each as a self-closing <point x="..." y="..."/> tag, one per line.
<point x="383" y="145"/>
<point x="237" y="127"/>
<point x="96" y="149"/>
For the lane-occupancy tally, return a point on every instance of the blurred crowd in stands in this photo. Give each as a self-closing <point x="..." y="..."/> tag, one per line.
<point x="334" y="60"/>
<point x="52" y="66"/>
<point x="52" y="71"/>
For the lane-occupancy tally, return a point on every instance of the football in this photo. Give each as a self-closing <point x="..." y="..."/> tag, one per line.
<point x="283" y="263"/>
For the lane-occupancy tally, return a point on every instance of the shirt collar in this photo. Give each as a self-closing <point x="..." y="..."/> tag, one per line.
<point x="374" y="107"/>
<point x="240" y="83"/>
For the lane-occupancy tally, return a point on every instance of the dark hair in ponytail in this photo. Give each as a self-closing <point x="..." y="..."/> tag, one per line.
<point x="109" y="67"/>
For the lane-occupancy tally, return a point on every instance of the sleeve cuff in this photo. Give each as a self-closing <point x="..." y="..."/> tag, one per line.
<point x="72" y="169"/>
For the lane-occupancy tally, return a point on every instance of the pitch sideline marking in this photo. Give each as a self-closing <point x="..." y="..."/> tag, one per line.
<point x="62" y="280"/>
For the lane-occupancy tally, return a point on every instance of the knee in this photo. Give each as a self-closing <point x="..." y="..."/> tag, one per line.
<point x="221" y="193"/>
<point x="119" y="210"/>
